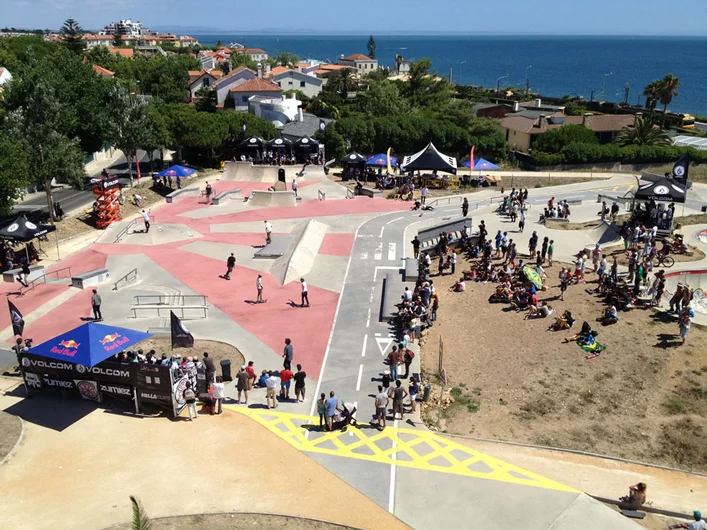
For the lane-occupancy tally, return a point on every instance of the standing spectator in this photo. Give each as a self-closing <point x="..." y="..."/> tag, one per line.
<point x="230" y="263"/>
<point x="393" y="362"/>
<point x="285" y="382"/>
<point x="424" y="193"/>
<point x="332" y="404"/>
<point x="294" y="186"/>
<point x="685" y="322"/>
<point x="146" y="218"/>
<point x="399" y="394"/>
<point x="305" y="295"/>
<point x="408" y="356"/>
<point x="218" y="394"/>
<point x="242" y="383"/>
<point x="521" y="220"/>
<point x="268" y="233"/>
<point x="533" y="244"/>
<point x="96" y="301"/>
<point x="271" y="384"/>
<point x="381" y="401"/>
<point x="300" y="377"/>
<point x="259" y="287"/>
<point x="190" y="399"/>
<point x="207" y="191"/>
<point x="413" y="389"/>
<point x="210" y="368"/>
<point x="250" y="370"/>
<point x="288" y="354"/>
<point x="416" y="247"/>
<point x="465" y="207"/>
<point x="550" y="252"/>
<point x="321" y="409"/>
<point x="453" y="261"/>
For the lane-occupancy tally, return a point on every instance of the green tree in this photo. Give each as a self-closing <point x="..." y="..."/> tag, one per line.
<point x="19" y="53"/>
<point x="101" y="56"/>
<point x="286" y="59"/>
<point x="643" y="132"/>
<point x="128" y="123"/>
<point x="556" y="139"/>
<point x="140" y="519"/>
<point x="371" y="47"/>
<point x="342" y="82"/>
<point x="652" y="94"/>
<point x="425" y="90"/>
<point x="51" y="154"/>
<point x="158" y="136"/>
<point x="384" y="99"/>
<point x="206" y="99"/>
<point x="117" y="40"/>
<point x="14" y="172"/>
<point x="668" y="90"/>
<point x="72" y="36"/>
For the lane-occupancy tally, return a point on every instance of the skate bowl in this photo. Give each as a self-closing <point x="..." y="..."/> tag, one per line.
<point x="267" y="199"/>
<point x="299" y="258"/>
<point x="697" y="281"/>
<point x="245" y="171"/>
<point x="605" y="233"/>
<point x="702" y="236"/>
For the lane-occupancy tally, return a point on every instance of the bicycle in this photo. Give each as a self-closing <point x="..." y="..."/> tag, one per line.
<point x="663" y="260"/>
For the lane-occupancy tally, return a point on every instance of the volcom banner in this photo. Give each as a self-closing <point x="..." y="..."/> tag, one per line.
<point x="108" y="372"/>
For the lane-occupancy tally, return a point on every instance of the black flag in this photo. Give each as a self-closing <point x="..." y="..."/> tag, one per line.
<point x="18" y="322"/>
<point x="181" y="338"/>
<point x="322" y="125"/>
<point x="681" y="169"/>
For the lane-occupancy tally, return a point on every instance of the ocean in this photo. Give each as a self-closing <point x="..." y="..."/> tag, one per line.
<point x="560" y="65"/>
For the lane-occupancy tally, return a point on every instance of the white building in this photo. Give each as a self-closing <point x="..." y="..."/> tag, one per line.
<point x="233" y="79"/>
<point x="126" y="28"/>
<point x="277" y="110"/>
<point x="362" y="63"/>
<point x="5" y="76"/>
<point x="310" y="85"/>
<point x="256" y="54"/>
<point x="242" y="93"/>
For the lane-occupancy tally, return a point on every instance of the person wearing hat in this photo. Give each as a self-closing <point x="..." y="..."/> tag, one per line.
<point x="697" y="524"/>
<point x="242" y="383"/>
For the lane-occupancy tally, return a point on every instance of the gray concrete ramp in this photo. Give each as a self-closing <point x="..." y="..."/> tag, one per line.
<point x="299" y="258"/>
<point x="267" y="199"/>
<point x="245" y="171"/>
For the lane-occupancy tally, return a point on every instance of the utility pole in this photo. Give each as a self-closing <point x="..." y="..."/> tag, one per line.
<point x="460" y="71"/>
<point x="627" y="91"/>
<point x="603" y="83"/>
<point x="527" y="81"/>
<point x="498" y="82"/>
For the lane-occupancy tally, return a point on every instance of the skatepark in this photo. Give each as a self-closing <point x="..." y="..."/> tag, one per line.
<point x="405" y="476"/>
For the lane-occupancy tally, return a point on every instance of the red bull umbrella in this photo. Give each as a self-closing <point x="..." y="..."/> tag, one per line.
<point x="89" y="344"/>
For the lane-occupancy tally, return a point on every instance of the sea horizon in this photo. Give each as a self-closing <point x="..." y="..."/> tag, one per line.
<point x="557" y="65"/>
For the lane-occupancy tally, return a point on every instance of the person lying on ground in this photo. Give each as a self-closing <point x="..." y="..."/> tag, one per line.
<point x="585" y="336"/>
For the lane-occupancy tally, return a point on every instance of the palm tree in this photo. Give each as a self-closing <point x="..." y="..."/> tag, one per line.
<point x="643" y="132"/>
<point x="72" y="36"/>
<point x="668" y="90"/>
<point x="652" y="93"/>
<point x="140" y="519"/>
<point x="343" y="82"/>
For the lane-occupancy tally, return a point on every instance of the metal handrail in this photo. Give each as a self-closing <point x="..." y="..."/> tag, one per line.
<point x="125" y="231"/>
<point x="126" y="278"/>
<point x="43" y="278"/>
<point x="168" y="299"/>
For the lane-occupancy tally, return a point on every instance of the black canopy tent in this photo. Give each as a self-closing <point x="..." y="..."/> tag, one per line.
<point x="307" y="144"/>
<point x="429" y="159"/>
<point x="353" y="159"/>
<point x="279" y="143"/>
<point x="20" y="229"/>
<point x="661" y="190"/>
<point x="253" y="142"/>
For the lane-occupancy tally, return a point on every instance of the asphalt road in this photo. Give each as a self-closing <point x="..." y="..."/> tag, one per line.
<point x="72" y="199"/>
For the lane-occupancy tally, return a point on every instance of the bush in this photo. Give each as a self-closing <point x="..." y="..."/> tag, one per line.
<point x="555" y="140"/>
<point x="591" y="153"/>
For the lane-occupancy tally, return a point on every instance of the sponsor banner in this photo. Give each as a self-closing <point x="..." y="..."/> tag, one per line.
<point x="88" y="389"/>
<point x="152" y="377"/>
<point x="45" y="365"/>
<point x="152" y="396"/>
<point x="121" y="391"/>
<point x="180" y="385"/>
<point x="106" y="372"/>
<point x="201" y="385"/>
<point x="33" y="381"/>
<point x="52" y="382"/>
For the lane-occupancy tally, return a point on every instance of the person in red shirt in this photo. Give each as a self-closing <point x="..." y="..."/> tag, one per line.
<point x="251" y="375"/>
<point x="285" y="379"/>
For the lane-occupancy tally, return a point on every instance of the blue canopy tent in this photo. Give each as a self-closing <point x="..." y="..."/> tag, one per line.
<point x="481" y="165"/>
<point x="381" y="160"/>
<point x="89" y="344"/>
<point x="176" y="171"/>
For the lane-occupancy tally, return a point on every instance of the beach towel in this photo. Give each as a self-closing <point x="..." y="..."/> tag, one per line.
<point x="594" y="349"/>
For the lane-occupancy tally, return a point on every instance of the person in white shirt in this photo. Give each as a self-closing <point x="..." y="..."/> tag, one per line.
<point x="408" y="295"/>
<point x="272" y="383"/>
<point x="305" y="295"/>
<point x="698" y="523"/>
<point x="146" y="217"/>
<point x="294" y="186"/>
<point x="424" y="193"/>
<point x="259" y="287"/>
<point x="268" y="232"/>
<point x="218" y="395"/>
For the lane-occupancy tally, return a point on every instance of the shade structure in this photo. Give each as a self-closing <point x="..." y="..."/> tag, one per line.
<point x="307" y="143"/>
<point x="533" y="276"/>
<point x="279" y="143"/>
<point x="89" y="344"/>
<point x="381" y="159"/>
<point x="661" y="190"/>
<point x="22" y="229"/>
<point x="430" y="159"/>
<point x="353" y="158"/>
<point x="176" y="171"/>
<point x="253" y="142"/>
<point x="481" y="165"/>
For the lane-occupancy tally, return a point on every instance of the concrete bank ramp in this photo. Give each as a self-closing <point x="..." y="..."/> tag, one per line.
<point x="605" y="233"/>
<point x="266" y="199"/>
<point x="299" y="258"/>
<point x="245" y="171"/>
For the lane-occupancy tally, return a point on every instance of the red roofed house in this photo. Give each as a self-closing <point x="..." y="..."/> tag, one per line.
<point x="256" y="54"/>
<point x="103" y="72"/>
<point x="128" y="53"/>
<point x="202" y="79"/>
<point x="242" y="93"/>
<point x="233" y="79"/>
<point x="362" y="63"/>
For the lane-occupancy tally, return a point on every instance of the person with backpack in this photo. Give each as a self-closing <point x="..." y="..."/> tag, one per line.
<point x="408" y="356"/>
<point x="190" y="398"/>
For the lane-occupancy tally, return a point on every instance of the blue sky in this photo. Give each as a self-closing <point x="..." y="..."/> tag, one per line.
<point x="566" y="17"/>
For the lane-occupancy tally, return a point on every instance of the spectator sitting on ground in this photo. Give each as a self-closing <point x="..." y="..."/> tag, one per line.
<point x="544" y="310"/>
<point x="263" y="378"/>
<point x="459" y="286"/>
<point x="611" y="316"/>
<point x="563" y="322"/>
<point x="636" y="494"/>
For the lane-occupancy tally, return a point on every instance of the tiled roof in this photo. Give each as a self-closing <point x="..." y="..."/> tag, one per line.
<point x="237" y="71"/>
<point x="96" y="68"/>
<point x="123" y="52"/>
<point x="257" y="85"/>
<point x="358" y="57"/>
<point x="332" y="67"/>
<point x="251" y="51"/>
<point x="278" y="70"/>
<point x="599" y="123"/>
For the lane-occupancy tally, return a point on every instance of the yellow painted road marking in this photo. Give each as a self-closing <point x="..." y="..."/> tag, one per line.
<point x="416" y="449"/>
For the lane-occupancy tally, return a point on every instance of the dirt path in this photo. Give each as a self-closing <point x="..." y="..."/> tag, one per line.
<point x="238" y="521"/>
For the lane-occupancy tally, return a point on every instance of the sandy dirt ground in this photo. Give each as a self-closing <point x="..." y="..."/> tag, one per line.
<point x="79" y="465"/>
<point x="218" y="351"/>
<point x="10" y="429"/>
<point x="238" y="521"/>
<point x="644" y="398"/>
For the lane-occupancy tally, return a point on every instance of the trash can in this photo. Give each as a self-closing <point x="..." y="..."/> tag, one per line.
<point x="226" y="370"/>
<point x="281" y="175"/>
<point x="425" y="393"/>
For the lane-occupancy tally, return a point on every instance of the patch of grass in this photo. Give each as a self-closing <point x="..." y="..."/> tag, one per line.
<point x="674" y="405"/>
<point x="539" y="407"/>
<point x="473" y="407"/>
<point x="476" y="391"/>
<point x="526" y="415"/>
<point x="456" y="392"/>
<point x="683" y="442"/>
